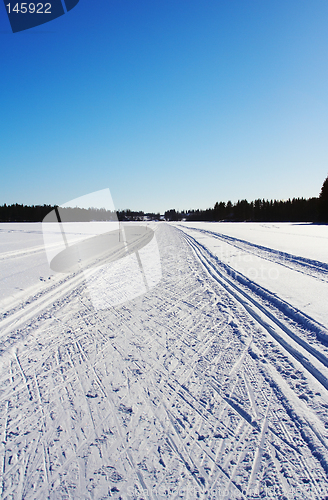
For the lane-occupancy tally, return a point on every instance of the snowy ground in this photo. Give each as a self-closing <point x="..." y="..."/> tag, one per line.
<point x="213" y="384"/>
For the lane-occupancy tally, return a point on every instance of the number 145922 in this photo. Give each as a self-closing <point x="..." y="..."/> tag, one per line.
<point x="30" y="8"/>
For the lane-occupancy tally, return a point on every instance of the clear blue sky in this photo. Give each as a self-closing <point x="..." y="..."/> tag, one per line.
<point x="169" y="103"/>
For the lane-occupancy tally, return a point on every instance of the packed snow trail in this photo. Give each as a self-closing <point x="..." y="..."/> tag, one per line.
<point x="296" y="263"/>
<point x="296" y="283"/>
<point x="181" y="393"/>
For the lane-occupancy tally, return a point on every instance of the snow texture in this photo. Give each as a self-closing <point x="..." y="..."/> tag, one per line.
<point x="212" y="384"/>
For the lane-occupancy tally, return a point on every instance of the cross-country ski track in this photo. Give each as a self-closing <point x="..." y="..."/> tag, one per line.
<point x="210" y="385"/>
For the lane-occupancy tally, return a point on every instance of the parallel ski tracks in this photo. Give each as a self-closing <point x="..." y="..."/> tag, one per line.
<point x="314" y="361"/>
<point x="33" y="307"/>
<point x="176" y="364"/>
<point x="297" y="263"/>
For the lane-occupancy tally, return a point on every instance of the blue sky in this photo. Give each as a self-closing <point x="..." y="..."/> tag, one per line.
<point x="168" y="103"/>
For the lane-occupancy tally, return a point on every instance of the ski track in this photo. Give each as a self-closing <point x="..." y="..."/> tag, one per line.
<point x="310" y="267"/>
<point x="190" y="391"/>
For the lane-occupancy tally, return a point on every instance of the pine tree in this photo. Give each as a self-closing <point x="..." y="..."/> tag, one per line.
<point x="323" y="201"/>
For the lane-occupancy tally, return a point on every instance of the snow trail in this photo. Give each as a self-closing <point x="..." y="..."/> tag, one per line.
<point x="180" y="393"/>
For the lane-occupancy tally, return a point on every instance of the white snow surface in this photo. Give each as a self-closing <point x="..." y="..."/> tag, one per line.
<point x="213" y="384"/>
<point x="269" y="255"/>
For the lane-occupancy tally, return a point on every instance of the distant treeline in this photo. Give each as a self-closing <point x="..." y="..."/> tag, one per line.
<point x="24" y="213"/>
<point x="295" y="210"/>
<point x="36" y="213"/>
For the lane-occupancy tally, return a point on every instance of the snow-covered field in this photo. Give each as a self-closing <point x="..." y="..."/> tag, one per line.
<point x="213" y="384"/>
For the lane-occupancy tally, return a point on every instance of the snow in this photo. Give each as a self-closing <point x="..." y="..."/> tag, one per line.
<point x="212" y="382"/>
<point x="305" y="289"/>
<point x="303" y="239"/>
<point x="23" y="261"/>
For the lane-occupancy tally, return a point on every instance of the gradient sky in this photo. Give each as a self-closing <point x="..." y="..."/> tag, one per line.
<point x="168" y="103"/>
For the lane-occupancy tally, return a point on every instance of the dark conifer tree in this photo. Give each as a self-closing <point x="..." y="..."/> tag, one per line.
<point x="323" y="201"/>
